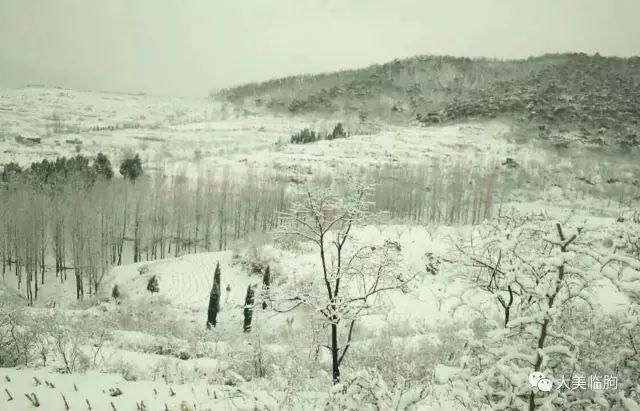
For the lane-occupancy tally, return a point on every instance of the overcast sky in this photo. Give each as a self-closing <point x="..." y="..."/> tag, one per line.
<point x="187" y="47"/>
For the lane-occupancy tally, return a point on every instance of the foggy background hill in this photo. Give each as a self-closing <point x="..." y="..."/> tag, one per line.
<point x="598" y="96"/>
<point x="177" y="49"/>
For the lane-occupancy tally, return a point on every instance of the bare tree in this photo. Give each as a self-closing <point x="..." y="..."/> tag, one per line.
<point x="10" y="318"/>
<point x="351" y="276"/>
<point x="222" y="210"/>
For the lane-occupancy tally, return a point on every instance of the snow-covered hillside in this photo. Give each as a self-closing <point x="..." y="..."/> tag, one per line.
<point x="182" y="135"/>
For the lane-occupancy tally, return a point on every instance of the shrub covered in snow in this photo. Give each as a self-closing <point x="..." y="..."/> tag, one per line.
<point x="543" y="274"/>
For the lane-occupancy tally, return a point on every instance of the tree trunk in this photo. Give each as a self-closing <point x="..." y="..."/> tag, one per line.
<point x="335" y="365"/>
<point x="35" y="279"/>
<point x="136" y="239"/>
<point x="124" y="232"/>
<point x="42" y="267"/>
<point x="79" y="286"/>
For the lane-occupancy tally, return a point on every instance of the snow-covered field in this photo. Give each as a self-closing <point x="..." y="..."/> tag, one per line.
<point x="185" y="135"/>
<point x="406" y="351"/>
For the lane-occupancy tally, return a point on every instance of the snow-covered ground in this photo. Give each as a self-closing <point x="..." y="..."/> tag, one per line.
<point x="156" y="349"/>
<point x="131" y="350"/>
<point x="186" y="135"/>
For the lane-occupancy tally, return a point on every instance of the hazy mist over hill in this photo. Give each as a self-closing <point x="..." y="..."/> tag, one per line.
<point x="173" y="48"/>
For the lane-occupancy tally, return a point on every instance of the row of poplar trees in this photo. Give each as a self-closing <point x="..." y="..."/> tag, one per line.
<point x="75" y="216"/>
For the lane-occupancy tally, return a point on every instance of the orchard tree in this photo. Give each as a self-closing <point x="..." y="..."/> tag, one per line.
<point x="620" y="264"/>
<point x="544" y="274"/>
<point x="351" y="275"/>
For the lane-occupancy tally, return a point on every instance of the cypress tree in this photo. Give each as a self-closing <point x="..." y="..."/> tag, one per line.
<point x="214" y="298"/>
<point x="214" y="307"/>
<point x="152" y="285"/>
<point x="115" y="292"/>
<point x="266" y="277"/>
<point x="248" y="309"/>
<point x="266" y="283"/>
<point x="217" y="278"/>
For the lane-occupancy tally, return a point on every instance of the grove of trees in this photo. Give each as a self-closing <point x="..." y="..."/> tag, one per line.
<point x="80" y="220"/>
<point x="306" y="135"/>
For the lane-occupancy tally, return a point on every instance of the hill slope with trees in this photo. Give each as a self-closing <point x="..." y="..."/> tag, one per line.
<point x="597" y="96"/>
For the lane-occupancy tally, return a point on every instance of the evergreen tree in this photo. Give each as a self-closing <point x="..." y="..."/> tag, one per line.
<point x="78" y="167"/>
<point x="266" y="283"/>
<point x="102" y="167"/>
<point x="338" y="132"/>
<point x="115" y="292"/>
<point x="152" y="285"/>
<point x="51" y="174"/>
<point x="248" y="308"/>
<point x="214" y="298"/>
<point x="305" y="136"/>
<point x="40" y="172"/>
<point x="266" y="277"/>
<point x="131" y="168"/>
<point x="217" y="278"/>
<point x="214" y="307"/>
<point x="10" y="171"/>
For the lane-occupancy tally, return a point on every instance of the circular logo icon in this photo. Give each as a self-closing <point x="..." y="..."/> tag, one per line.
<point x="535" y="377"/>
<point x="545" y="385"/>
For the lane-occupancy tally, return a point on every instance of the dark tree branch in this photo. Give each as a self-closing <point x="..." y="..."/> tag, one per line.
<point x="348" y="344"/>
